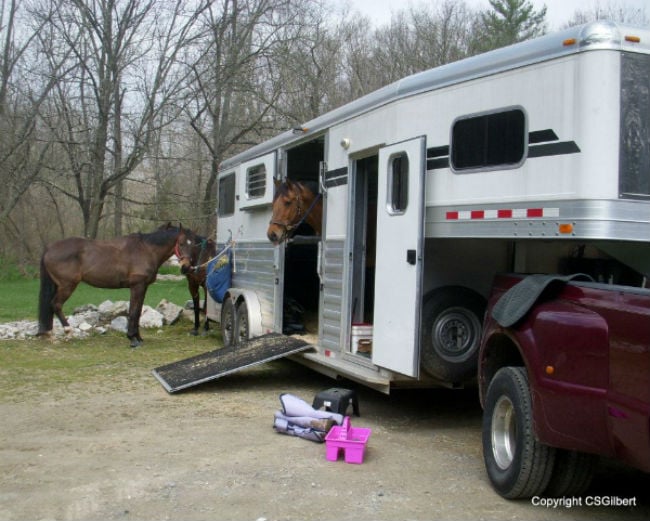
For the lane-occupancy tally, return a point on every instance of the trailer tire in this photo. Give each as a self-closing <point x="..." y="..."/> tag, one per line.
<point x="517" y="464"/>
<point x="451" y="333"/>
<point x="228" y="321"/>
<point x="572" y="474"/>
<point x="242" y="325"/>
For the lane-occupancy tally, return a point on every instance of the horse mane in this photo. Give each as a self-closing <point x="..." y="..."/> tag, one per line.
<point x="160" y="236"/>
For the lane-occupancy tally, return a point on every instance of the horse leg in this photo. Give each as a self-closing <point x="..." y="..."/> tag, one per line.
<point x="135" y="310"/>
<point x="62" y="294"/>
<point x="206" y="326"/>
<point x="194" y="292"/>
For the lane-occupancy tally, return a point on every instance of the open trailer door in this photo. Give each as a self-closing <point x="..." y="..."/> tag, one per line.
<point x="221" y="362"/>
<point x="399" y="261"/>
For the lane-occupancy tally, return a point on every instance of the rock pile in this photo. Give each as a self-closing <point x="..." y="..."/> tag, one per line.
<point x="89" y="319"/>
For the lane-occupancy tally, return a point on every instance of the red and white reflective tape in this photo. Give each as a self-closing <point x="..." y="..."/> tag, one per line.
<point x="506" y="213"/>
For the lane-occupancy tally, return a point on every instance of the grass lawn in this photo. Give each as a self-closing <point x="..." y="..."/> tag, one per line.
<point x="19" y="298"/>
<point x="43" y="365"/>
<point x="40" y="365"/>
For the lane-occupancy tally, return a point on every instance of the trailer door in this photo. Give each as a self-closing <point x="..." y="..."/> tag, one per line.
<point x="400" y="250"/>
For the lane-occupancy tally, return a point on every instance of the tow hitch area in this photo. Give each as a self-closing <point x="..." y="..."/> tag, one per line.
<point x="220" y="362"/>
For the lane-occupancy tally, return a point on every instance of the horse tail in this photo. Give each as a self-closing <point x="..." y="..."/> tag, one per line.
<point x="45" y="297"/>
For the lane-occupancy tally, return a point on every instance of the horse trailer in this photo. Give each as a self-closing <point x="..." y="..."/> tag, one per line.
<point x="534" y="158"/>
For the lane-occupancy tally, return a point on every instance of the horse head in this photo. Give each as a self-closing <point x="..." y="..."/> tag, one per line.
<point x="293" y="204"/>
<point x="192" y="249"/>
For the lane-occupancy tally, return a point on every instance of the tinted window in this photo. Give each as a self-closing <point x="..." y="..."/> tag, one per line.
<point x="489" y="140"/>
<point x="399" y="183"/>
<point x="226" y="195"/>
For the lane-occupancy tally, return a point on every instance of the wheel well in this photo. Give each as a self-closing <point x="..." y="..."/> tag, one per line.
<point x="500" y="351"/>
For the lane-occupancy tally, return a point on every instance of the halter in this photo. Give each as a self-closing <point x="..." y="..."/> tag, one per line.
<point x="288" y="227"/>
<point x="177" y="250"/>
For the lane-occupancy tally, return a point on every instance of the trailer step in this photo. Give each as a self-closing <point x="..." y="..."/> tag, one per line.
<point x="221" y="362"/>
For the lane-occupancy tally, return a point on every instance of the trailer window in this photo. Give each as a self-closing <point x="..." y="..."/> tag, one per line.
<point x="256" y="181"/>
<point x="398" y="183"/>
<point x="489" y="140"/>
<point x="226" y="195"/>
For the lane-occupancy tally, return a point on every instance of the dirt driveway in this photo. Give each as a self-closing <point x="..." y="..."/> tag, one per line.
<point x="124" y="449"/>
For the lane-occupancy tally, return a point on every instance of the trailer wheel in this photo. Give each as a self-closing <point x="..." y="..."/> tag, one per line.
<point x="451" y="333"/>
<point x="242" y="325"/>
<point x="573" y="472"/>
<point x="228" y="322"/>
<point x="517" y="464"/>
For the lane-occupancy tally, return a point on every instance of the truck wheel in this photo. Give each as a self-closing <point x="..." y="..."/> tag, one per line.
<point x="242" y="327"/>
<point x="517" y="464"/>
<point x="572" y="473"/>
<point x="228" y="322"/>
<point x="451" y="333"/>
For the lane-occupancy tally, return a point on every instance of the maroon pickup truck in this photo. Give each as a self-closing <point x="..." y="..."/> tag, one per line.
<point x="564" y="376"/>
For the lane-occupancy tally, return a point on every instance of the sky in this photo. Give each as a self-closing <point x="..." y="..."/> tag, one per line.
<point x="558" y="11"/>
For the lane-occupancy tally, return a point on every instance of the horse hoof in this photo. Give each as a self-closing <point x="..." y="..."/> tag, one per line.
<point x="135" y="344"/>
<point x="194" y="332"/>
<point x="67" y="330"/>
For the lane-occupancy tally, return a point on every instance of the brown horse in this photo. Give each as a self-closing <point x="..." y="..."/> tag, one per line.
<point x="194" y="254"/>
<point x="124" y="262"/>
<point x="293" y="204"/>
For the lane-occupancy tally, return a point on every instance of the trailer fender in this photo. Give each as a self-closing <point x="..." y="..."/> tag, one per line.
<point x="246" y="301"/>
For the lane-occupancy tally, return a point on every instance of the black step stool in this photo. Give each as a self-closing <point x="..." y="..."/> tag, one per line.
<point x="337" y="400"/>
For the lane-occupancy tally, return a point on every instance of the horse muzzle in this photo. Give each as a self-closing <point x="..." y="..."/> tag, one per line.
<point x="186" y="266"/>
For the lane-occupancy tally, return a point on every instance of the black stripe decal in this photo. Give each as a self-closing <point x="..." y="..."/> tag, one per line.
<point x="542" y="136"/>
<point x="553" y="149"/>
<point x="336" y="177"/>
<point x="433" y="164"/>
<point x="541" y="143"/>
<point x="438" y="151"/>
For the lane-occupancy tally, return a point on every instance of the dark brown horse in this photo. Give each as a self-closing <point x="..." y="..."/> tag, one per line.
<point x="293" y="204"/>
<point x="124" y="262"/>
<point x="194" y="256"/>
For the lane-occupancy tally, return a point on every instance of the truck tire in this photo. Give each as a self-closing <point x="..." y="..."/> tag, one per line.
<point x="228" y="321"/>
<point x="572" y="474"/>
<point x="517" y="464"/>
<point x="242" y="325"/>
<point x="451" y="333"/>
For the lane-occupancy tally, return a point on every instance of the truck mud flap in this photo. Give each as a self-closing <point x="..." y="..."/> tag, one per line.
<point x="221" y="362"/>
<point x="515" y="303"/>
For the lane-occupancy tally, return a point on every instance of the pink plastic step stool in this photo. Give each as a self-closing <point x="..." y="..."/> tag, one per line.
<point x="352" y="440"/>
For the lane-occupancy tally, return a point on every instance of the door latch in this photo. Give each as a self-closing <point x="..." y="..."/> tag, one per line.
<point x="411" y="257"/>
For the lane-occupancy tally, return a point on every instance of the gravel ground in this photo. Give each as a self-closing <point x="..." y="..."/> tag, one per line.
<point x="124" y="449"/>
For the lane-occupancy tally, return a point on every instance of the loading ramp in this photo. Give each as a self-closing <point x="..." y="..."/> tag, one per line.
<point x="221" y="362"/>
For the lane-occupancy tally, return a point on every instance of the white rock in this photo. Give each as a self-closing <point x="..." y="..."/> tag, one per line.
<point x="170" y="311"/>
<point x="119" y="324"/>
<point x="150" y="318"/>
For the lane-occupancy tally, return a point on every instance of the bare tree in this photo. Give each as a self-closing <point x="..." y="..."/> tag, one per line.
<point x="24" y="89"/>
<point x="613" y="11"/>
<point x="231" y="95"/>
<point x="125" y="75"/>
